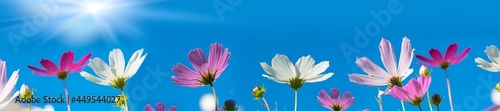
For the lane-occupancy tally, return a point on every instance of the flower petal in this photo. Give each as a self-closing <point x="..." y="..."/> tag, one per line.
<point x="9" y="87"/>
<point x="324" y="100"/>
<point x="218" y="58"/>
<point x="66" y="60"/>
<point x="305" y="64"/>
<point x="172" y="108"/>
<point x="347" y="100"/>
<point x="41" y="72"/>
<point x="148" y="107"/>
<point x="272" y="71"/>
<point x="367" y="80"/>
<point x="101" y="69"/>
<point x="407" y="74"/>
<point x="49" y="65"/>
<point x="94" y="79"/>
<point x="405" y="57"/>
<point x="450" y="52"/>
<point x="3" y="73"/>
<point x="436" y="55"/>
<point x="427" y="60"/>
<point x="335" y="94"/>
<point x="184" y="72"/>
<point x="487" y="66"/>
<point x="117" y="62"/>
<point x="278" y="80"/>
<point x="160" y="107"/>
<point x="80" y="65"/>
<point x="461" y="56"/>
<point x="134" y="63"/>
<point x="493" y="54"/>
<point x="16" y="94"/>
<point x="371" y="68"/>
<point x="198" y="60"/>
<point x="193" y="83"/>
<point x="399" y="93"/>
<point x="318" y="78"/>
<point x="424" y="84"/>
<point x="282" y="64"/>
<point x="388" y="57"/>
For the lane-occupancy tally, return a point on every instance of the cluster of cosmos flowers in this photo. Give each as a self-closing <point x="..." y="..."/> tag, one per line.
<point x="205" y="71"/>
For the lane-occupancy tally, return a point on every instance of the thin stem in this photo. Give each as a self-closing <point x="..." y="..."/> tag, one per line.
<point x="296" y="99"/>
<point x="403" y="105"/>
<point x="126" y="100"/>
<point x="29" y="107"/>
<point x="267" y="105"/>
<point x="379" y="101"/>
<point x="437" y="107"/>
<point x="420" y="107"/>
<point x="449" y="90"/>
<point x="67" y="95"/>
<point x="429" y="101"/>
<point x="215" y="96"/>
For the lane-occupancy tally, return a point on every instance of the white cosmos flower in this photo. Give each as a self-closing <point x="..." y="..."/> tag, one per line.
<point x="116" y="73"/>
<point x="494" y="56"/>
<point x="283" y="71"/>
<point x="395" y="73"/>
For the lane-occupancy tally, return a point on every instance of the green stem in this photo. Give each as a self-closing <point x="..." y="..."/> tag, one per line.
<point x="420" y="107"/>
<point x="379" y="100"/>
<point x="126" y="100"/>
<point x="403" y="105"/>
<point x="449" y="89"/>
<point x="267" y="105"/>
<point x="429" y="101"/>
<point x="437" y="107"/>
<point x="29" y="107"/>
<point x="215" y="96"/>
<point x="296" y="99"/>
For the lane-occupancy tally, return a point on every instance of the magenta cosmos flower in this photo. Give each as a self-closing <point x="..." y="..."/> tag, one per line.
<point x="66" y="66"/>
<point x="335" y="103"/>
<point x="205" y="72"/>
<point x="159" y="107"/>
<point x="414" y="91"/>
<point x="448" y="59"/>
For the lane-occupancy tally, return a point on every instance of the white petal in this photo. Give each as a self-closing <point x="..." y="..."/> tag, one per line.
<point x="388" y="57"/>
<point x="117" y="62"/>
<point x="271" y="71"/>
<point x="305" y="64"/>
<point x="367" y="80"/>
<point x="371" y="68"/>
<point x="278" y="80"/>
<point x="405" y="57"/>
<point x="134" y="63"/>
<point x="94" y="79"/>
<point x="2" y="105"/>
<point x="495" y="97"/>
<point x="282" y="64"/>
<point x="487" y="66"/>
<point x="9" y="87"/>
<point x="318" y="69"/>
<point x="407" y="74"/>
<point x="101" y="69"/>
<point x="3" y="74"/>
<point x="318" y="78"/>
<point x="493" y="54"/>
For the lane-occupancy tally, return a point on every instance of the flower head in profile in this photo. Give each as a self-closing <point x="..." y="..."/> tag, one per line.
<point x="395" y="73"/>
<point x="117" y="72"/>
<point x="494" y="56"/>
<point x="230" y="105"/>
<point x="335" y="103"/>
<point x="258" y="92"/>
<point x="448" y="59"/>
<point x="414" y="91"/>
<point x="6" y="87"/>
<point x="205" y="71"/>
<point x="283" y="71"/>
<point x="66" y="66"/>
<point x="159" y="107"/>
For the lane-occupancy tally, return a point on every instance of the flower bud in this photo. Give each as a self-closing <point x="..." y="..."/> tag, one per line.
<point x="436" y="99"/>
<point x="230" y="105"/>
<point x="121" y="100"/>
<point x="258" y="92"/>
<point x="25" y="92"/>
<point x="424" y="71"/>
<point x="498" y="87"/>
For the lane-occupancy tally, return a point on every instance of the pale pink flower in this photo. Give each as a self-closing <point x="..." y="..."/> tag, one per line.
<point x="414" y="91"/>
<point x="335" y="103"/>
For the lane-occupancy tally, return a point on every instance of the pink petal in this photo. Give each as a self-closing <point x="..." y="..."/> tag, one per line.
<point x="399" y="93"/>
<point x="41" y="72"/>
<point x="413" y="88"/>
<point x="367" y="80"/>
<point x="346" y="99"/>
<point x="160" y="107"/>
<point x="436" y="55"/>
<point x="324" y="100"/>
<point x="148" y="107"/>
<point x="335" y="95"/>
<point x="461" y="56"/>
<point x="193" y="83"/>
<point x="49" y="65"/>
<point x="198" y="61"/>
<point x="214" y="56"/>
<point x="425" y="83"/>
<point x="172" y="108"/>
<point x="405" y="57"/>
<point x="66" y="60"/>
<point x="80" y="65"/>
<point x="387" y="56"/>
<point x="371" y="68"/>
<point x="183" y="72"/>
<point x="427" y="60"/>
<point x="223" y="62"/>
<point x="450" y="52"/>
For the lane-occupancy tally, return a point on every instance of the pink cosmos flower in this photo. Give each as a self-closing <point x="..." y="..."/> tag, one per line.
<point x="413" y="91"/>
<point x="449" y="57"/>
<point x="159" y="107"/>
<point x="205" y="72"/>
<point x="335" y="103"/>
<point x="66" y="66"/>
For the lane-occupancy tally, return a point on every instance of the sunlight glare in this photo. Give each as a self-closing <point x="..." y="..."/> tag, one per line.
<point x="94" y="7"/>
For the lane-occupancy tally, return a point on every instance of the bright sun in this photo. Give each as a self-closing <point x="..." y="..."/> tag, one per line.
<point x="94" y="7"/>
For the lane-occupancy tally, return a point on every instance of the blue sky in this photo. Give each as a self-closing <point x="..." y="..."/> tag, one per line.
<point x="254" y="31"/>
